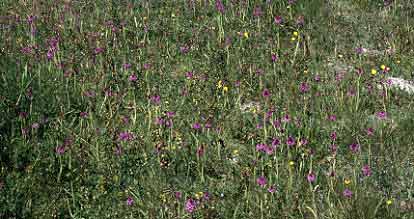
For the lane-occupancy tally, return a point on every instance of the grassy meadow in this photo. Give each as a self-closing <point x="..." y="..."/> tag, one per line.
<point x="206" y="109"/>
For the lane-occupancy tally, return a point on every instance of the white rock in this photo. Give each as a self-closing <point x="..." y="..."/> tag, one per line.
<point x="249" y="106"/>
<point x="402" y="84"/>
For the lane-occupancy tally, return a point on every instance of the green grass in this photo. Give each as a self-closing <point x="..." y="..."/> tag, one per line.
<point x="80" y="136"/>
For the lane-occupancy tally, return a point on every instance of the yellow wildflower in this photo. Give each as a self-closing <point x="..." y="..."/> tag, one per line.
<point x="198" y="195"/>
<point x="383" y="67"/>
<point x="246" y="34"/>
<point x="293" y="38"/>
<point x="295" y="33"/>
<point x="219" y="84"/>
<point x="291" y="163"/>
<point x="373" y="71"/>
<point x="225" y="88"/>
<point x="162" y="197"/>
<point x="347" y="181"/>
<point x="389" y="202"/>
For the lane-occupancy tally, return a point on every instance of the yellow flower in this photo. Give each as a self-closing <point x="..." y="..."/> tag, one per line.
<point x="305" y="71"/>
<point x="383" y="67"/>
<point x="347" y="181"/>
<point x="291" y="163"/>
<point x="198" y="195"/>
<point x="172" y="15"/>
<point x="162" y="197"/>
<point x="398" y="61"/>
<point x="225" y="88"/>
<point x="389" y="202"/>
<point x="295" y="33"/>
<point x="235" y="152"/>
<point x="246" y="34"/>
<point x="373" y="71"/>
<point x="293" y="38"/>
<point x="219" y="84"/>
